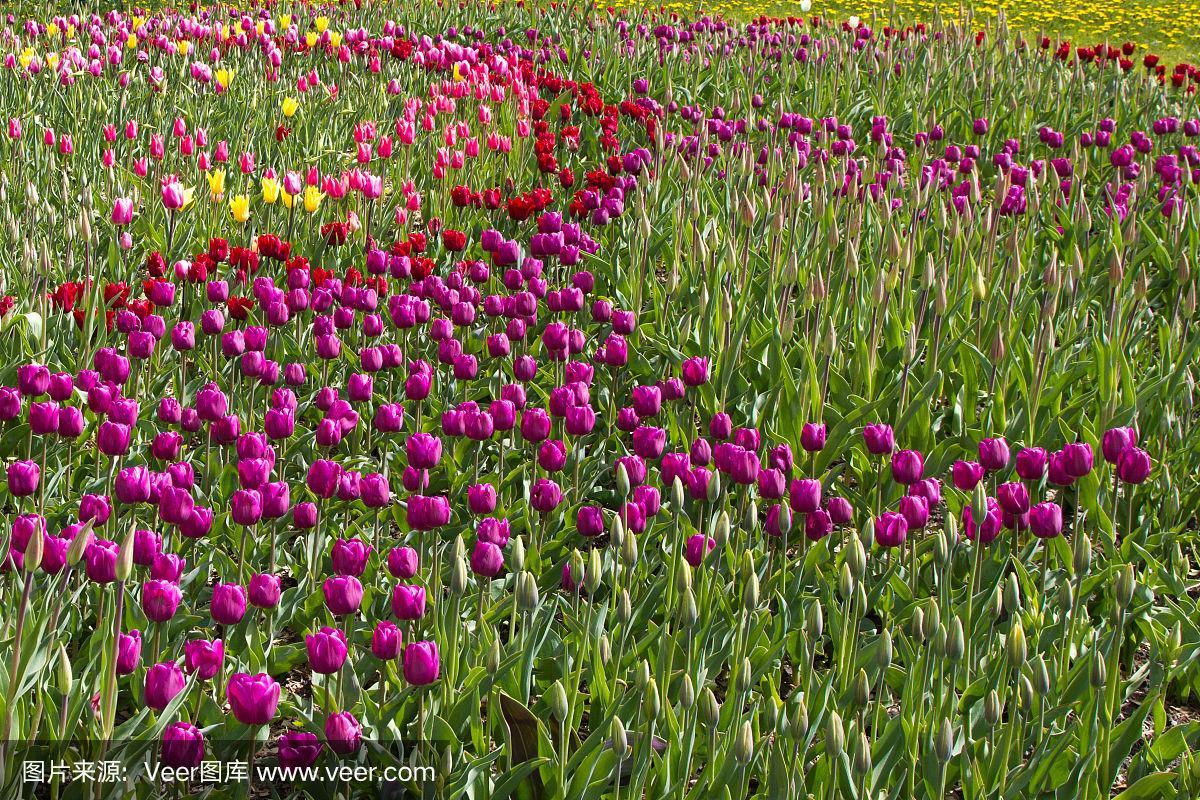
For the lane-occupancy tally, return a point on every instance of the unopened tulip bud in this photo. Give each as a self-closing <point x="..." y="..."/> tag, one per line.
<point x="124" y="566"/>
<point x="862" y="755"/>
<point x="527" y="592"/>
<point x="1125" y="586"/>
<point x="834" y="743"/>
<point x="1028" y="698"/>
<point x="1067" y="598"/>
<point x="33" y="551"/>
<point x="743" y="746"/>
<point x="1082" y="557"/>
<point x="815" y="621"/>
<point x="917" y="626"/>
<point x="620" y="740"/>
<point x="1017" y="649"/>
<point x="750" y="593"/>
<point x="938" y="643"/>
<point x="845" y="583"/>
<point x="721" y="533"/>
<point x="861" y="692"/>
<point x="943" y="745"/>
<point x="517" y="556"/>
<point x="687" y="692"/>
<point x="933" y="618"/>
<point x="856" y="558"/>
<point x="65" y="676"/>
<point x="557" y="699"/>
<point x="992" y="708"/>
<point x="745" y="677"/>
<point x="979" y="507"/>
<point x="710" y="709"/>
<point x="622" y="480"/>
<point x="799" y="714"/>
<point x="1012" y="594"/>
<point x="629" y="551"/>
<point x="750" y="521"/>
<point x="955" y="640"/>
<point x="688" y="611"/>
<point x="458" y="577"/>
<point x="624" y="608"/>
<point x="1172" y="645"/>
<point x="884" y="654"/>
<point x="493" y="659"/>
<point x="79" y="544"/>
<point x="1099" y="672"/>
<point x="594" y="573"/>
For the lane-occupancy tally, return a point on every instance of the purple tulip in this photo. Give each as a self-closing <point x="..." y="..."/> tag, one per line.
<point x="402" y="562"/>
<point x="408" y="602"/>
<point x="253" y="698"/>
<point x="160" y="600"/>
<point x="421" y="663"/>
<point x="327" y="650"/>
<point x="228" y="603"/>
<point x="966" y="475"/>
<point x="299" y="749"/>
<point x="487" y="560"/>
<point x="993" y="454"/>
<point x="1031" y="463"/>
<point x="202" y="658"/>
<point x="343" y="594"/>
<point x="386" y="640"/>
<point x="891" y="529"/>
<point x="264" y="590"/>
<point x="880" y="439"/>
<point x="23" y="478"/>
<point x="1134" y="465"/>
<point x="343" y="734"/>
<point x="182" y="746"/>
<point x="163" y="682"/>
<point x="1046" y="520"/>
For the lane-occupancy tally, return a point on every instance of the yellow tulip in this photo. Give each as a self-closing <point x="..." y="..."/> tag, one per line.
<point x="285" y="21"/>
<point x="27" y="57"/>
<point x="239" y="208"/>
<point x="310" y="39"/>
<point x="52" y="30"/>
<point x="52" y="61"/>
<point x="183" y="47"/>
<point x="287" y="200"/>
<point x="312" y="198"/>
<point x="216" y="183"/>
<point x="131" y="41"/>
<point x="322" y="24"/>
<point x="335" y="39"/>
<point x="290" y="104"/>
<point x="259" y="27"/>
<point x="458" y="76"/>
<point x="270" y="191"/>
<point x="224" y="77"/>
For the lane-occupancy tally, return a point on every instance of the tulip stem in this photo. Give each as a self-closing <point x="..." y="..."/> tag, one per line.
<point x="13" y="673"/>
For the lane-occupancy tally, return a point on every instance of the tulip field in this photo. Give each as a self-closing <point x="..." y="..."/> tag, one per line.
<point x="548" y="401"/>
